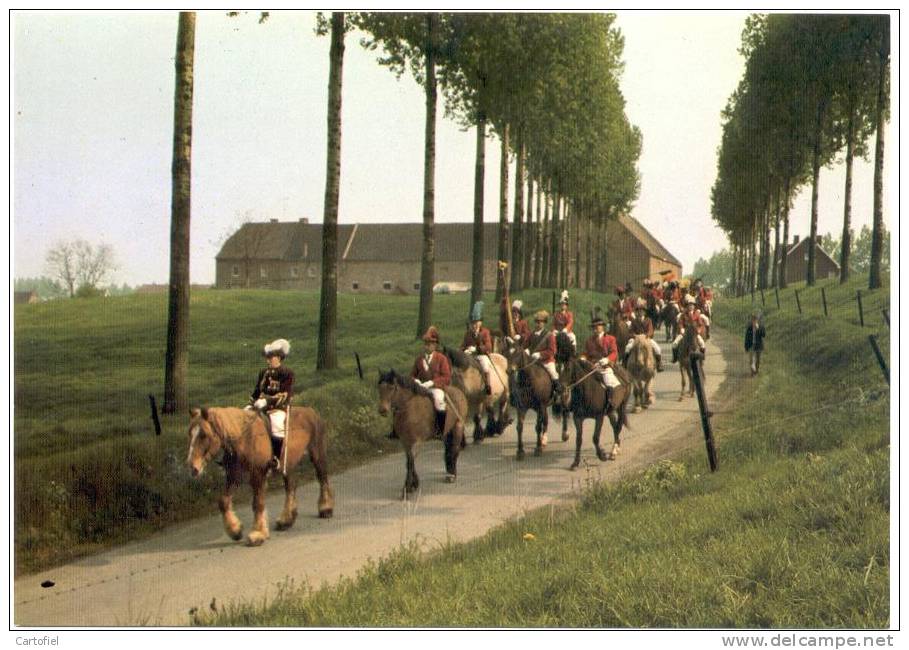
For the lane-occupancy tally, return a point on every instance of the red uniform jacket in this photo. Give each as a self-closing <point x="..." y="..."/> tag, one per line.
<point x="482" y="341"/>
<point x="564" y="320"/>
<point x="598" y="347"/>
<point x="522" y="329"/>
<point x="642" y="326"/>
<point x="438" y="371"/>
<point x="685" y="320"/>
<point x="544" y="343"/>
<point x="276" y="386"/>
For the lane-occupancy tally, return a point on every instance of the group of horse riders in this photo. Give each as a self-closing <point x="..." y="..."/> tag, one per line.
<point x="273" y="391"/>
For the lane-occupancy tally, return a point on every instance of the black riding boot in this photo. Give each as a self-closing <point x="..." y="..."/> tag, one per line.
<point x="556" y="388"/>
<point x="392" y="435"/>
<point x="440" y="423"/>
<point x="277" y="445"/>
<point x="659" y="363"/>
<point x="675" y="355"/>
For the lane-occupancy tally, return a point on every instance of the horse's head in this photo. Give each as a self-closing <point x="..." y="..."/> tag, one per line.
<point x="388" y="385"/>
<point x="564" y="348"/>
<point x="204" y="440"/>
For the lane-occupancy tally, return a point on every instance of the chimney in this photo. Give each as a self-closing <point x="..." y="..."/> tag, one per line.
<point x="273" y="220"/>
<point x="304" y="219"/>
<point x="795" y="239"/>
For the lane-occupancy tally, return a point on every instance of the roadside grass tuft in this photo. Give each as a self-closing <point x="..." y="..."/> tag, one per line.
<point x="791" y="532"/>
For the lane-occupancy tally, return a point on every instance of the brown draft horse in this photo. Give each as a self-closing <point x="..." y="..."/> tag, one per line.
<point x="687" y="345"/>
<point x="467" y="376"/>
<point x="530" y="387"/>
<point x="642" y="367"/>
<point x="243" y="437"/>
<point x="414" y="421"/>
<point x="588" y="400"/>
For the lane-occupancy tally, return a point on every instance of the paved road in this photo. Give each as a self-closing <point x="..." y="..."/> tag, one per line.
<point x="157" y="581"/>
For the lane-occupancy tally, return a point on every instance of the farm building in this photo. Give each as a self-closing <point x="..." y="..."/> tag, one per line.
<point x="385" y="258"/>
<point x="797" y="262"/>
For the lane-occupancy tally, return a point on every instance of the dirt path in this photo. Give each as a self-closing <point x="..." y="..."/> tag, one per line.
<point x="159" y="580"/>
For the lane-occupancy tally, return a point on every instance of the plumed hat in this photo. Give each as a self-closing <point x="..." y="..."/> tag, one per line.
<point x="432" y="335"/>
<point x="689" y="299"/>
<point x="477" y="312"/>
<point x="279" y="348"/>
<point x="564" y="298"/>
<point x="640" y="304"/>
<point x="517" y="304"/>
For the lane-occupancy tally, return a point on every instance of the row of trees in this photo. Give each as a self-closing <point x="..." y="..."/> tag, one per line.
<point x="814" y="86"/>
<point x="547" y="85"/>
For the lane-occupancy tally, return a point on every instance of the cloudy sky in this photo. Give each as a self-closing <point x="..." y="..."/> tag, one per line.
<point x="93" y="121"/>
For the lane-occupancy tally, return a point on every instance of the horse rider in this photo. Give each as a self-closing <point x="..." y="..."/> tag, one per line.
<point x="541" y="345"/>
<point x="272" y="394"/>
<point x="521" y="328"/>
<point x="433" y="372"/>
<point x="641" y="324"/>
<point x="601" y="350"/>
<point x="478" y="343"/>
<point x="563" y="320"/>
<point x="622" y="305"/>
<point x="691" y="317"/>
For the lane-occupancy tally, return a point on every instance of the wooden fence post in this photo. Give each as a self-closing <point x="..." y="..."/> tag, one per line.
<point x="777" y="292"/>
<point x="702" y="406"/>
<point x="154" y="415"/>
<point x="763" y="304"/>
<point x="872" y="339"/>
<point x="553" y="303"/>
<point x="797" y="301"/>
<point x="886" y="316"/>
<point x="858" y="297"/>
<point x="824" y="298"/>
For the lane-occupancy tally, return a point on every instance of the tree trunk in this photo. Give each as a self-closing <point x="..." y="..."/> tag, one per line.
<point x="538" y="240"/>
<point x="529" y="239"/>
<point x="476" y="285"/>
<point x="576" y="214"/>
<point x="545" y="278"/>
<point x="846" y="243"/>
<point x="328" y="300"/>
<point x="176" y="359"/>
<point x="774" y="274"/>
<point x="783" y="253"/>
<point x="602" y="247"/>
<point x="556" y="241"/>
<point x="588" y="284"/>
<point x="877" y="230"/>
<point x="427" y="269"/>
<point x="811" y="271"/>
<point x="504" y="226"/>
<point x="517" y="237"/>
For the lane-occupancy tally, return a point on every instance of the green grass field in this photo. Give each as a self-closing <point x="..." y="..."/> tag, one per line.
<point x="792" y="531"/>
<point x="89" y="470"/>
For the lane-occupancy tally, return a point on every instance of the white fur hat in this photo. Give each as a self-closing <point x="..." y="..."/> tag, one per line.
<point x="564" y="297"/>
<point x="517" y="304"/>
<point x="689" y="300"/>
<point x="280" y="347"/>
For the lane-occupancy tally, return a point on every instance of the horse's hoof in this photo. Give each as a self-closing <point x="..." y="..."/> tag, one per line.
<point x="255" y="538"/>
<point x="681" y="397"/>
<point x="236" y="535"/>
<point x="519" y="455"/>
<point x="450" y="478"/>
<point x="280" y="524"/>
<point x="637" y="409"/>
<point x="544" y="440"/>
<point x="538" y="451"/>
<point x="574" y="466"/>
<point x="326" y="513"/>
<point x="603" y="456"/>
<point x="565" y="437"/>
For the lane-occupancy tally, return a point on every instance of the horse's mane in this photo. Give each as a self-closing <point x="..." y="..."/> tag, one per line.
<point x="394" y="377"/>
<point x="459" y="359"/>
<point x="564" y="349"/>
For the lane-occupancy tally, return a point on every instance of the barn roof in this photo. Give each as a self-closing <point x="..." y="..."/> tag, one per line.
<point x="650" y="242"/>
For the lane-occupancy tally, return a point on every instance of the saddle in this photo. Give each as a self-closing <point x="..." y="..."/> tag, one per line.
<point x="461" y="360"/>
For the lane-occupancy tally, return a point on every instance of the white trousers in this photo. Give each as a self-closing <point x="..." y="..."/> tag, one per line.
<point x="551" y="369"/>
<point x="607" y="376"/>
<point x="653" y="345"/>
<point x="277" y="419"/>
<point x="438" y="398"/>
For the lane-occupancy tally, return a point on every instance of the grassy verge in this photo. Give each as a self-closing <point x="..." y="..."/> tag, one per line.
<point x="793" y="531"/>
<point x="89" y="471"/>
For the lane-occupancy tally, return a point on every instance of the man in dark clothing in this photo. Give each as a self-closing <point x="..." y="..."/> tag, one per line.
<point x="754" y="342"/>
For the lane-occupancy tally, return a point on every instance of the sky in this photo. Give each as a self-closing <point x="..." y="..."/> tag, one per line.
<point x="93" y="125"/>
